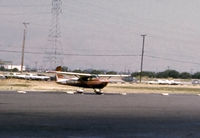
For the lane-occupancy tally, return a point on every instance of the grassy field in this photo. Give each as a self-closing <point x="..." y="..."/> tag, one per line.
<point x="28" y="85"/>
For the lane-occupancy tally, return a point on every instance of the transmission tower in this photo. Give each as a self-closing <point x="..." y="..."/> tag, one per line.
<point x="53" y="53"/>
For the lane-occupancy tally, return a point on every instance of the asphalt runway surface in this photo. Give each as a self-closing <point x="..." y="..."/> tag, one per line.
<point x="48" y="114"/>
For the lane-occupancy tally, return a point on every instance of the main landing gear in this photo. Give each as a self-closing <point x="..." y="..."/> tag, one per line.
<point x="80" y="91"/>
<point x="98" y="91"/>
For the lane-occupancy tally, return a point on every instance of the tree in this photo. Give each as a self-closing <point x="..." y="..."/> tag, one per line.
<point x="96" y="72"/>
<point x="149" y="74"/>
<point x="167" y="74"/>
<point x="135" y="74"/>
<point x="144" y="73"/>
<point x="111" y="72"/>
<point x="2" y="68"/>
<point x="196" y="75"/>
<point x="15" y="70"/>
<point x="161" y="75"/>
<point x="173" y="73"/>
<point x="185" y="75"/>
<point x="65" y="69"/>
<point x="78" y="71"/>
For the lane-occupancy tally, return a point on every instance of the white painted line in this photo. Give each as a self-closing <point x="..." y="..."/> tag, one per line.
<point x="165" y="94"/>
<point x="70" y="92"/>
<point x="198" y="94"/>
<point x="123" y="94"/>
<point x="21" y="92"/>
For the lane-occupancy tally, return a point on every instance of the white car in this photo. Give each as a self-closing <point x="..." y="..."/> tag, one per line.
<point x="2" y="76"/>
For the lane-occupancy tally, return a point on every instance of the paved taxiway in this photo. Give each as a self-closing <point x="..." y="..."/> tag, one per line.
<point x="47" y="114"/>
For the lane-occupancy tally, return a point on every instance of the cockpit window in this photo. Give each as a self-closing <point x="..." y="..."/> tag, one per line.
<point x="86" y="78"/>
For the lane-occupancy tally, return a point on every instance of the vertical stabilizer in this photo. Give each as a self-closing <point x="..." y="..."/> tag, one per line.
<point x="59" y="76"/>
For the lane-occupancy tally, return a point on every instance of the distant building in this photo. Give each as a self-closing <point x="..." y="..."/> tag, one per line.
<point x="14" y="66"/>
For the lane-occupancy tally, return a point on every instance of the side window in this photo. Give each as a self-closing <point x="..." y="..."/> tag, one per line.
<point x="84" y="78"/>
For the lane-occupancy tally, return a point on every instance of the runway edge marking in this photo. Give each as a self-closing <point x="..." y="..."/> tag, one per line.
<point x="22" y="92"/>
<point x="70" y="92"/>
<point x="165" y="94"/>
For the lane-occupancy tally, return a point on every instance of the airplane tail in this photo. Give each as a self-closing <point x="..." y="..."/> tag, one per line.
<point x="59" y="76"/>
<point x="59" y="68"/>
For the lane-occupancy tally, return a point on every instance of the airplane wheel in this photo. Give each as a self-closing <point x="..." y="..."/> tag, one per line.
<point x="80" y="91"/>
<point x="98" y="91"/>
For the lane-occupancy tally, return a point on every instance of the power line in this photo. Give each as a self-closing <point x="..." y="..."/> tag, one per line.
<point x="23" y="13"/>
<point x="103" y="55"/>
<point x="69" y="54"/>
<point x="170" y="59"/>
<point x="24" y="6"/>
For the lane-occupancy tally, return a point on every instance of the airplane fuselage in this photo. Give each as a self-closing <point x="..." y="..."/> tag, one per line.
<point x="93" y="83"/>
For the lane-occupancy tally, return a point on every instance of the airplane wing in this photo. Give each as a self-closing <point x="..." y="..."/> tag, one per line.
<point x="70" y="73"/>
<point x="109" y="75"/>
<point x="59" y="68"/>
<point x="87" y="74"/>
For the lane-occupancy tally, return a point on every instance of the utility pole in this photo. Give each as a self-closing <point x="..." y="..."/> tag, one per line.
<point x="23" y="45"/>
<point x="141" y="67"/>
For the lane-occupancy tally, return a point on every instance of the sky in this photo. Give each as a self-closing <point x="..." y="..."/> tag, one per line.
<point x="105" y="34"/>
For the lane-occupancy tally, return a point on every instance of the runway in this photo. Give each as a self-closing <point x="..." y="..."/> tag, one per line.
<point x="58" y="114"/>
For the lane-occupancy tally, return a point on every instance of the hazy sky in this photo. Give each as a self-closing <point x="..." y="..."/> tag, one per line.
<point x="107" y="27"/>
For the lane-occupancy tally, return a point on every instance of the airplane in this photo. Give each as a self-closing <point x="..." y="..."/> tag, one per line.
<point x="84" y="80"/>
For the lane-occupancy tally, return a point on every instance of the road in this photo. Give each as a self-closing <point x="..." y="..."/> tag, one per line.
<point x="48" y="114"/>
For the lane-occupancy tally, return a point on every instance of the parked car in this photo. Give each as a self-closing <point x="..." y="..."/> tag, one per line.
<point x="2" y="76"/>
<point x="195" y="82"/>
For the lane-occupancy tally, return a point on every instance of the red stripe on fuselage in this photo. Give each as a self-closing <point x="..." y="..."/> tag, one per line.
<point x="95" y="83"/>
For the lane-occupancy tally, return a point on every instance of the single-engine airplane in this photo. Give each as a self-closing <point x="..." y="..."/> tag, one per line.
<point x="84" y="80"/>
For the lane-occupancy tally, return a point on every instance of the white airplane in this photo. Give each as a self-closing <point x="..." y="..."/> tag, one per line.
<point x="27" y="76"/>
<point x="165" y="82"/>
<point x="30" y="76"/>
